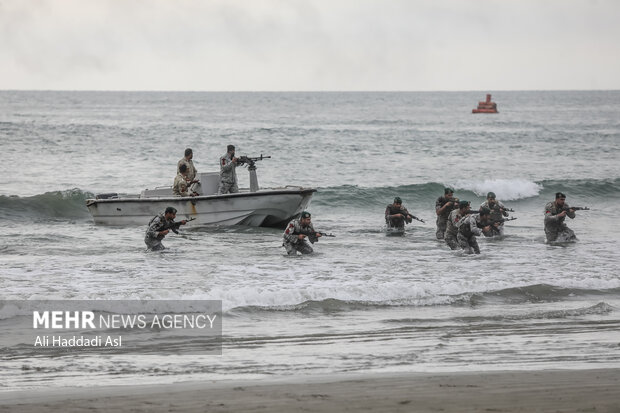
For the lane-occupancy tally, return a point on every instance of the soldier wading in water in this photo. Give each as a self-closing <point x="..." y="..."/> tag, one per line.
<point x="297" y="233"/>
<point x="555" y="214"/>
<point x="498" y="212"/>
<point x="452" y="229"/>
<point x="444" y="205"/>
<point x="396" y="215"/>
<point x="159" y="227"/>
<point x="473" y="225"/>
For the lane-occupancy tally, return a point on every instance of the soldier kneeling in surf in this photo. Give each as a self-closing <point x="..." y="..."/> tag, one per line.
<point x="297" y="234"/>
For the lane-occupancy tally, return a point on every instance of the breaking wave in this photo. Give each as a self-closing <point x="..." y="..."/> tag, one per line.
<point x="70" y="203"/>
<point x="470" y="189"/>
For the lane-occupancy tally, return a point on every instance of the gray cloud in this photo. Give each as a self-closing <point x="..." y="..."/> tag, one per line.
<point x="309" y="44"/>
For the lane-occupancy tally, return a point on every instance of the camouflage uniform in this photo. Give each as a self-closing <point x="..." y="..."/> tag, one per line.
<point x="452" y="229"/>
<point x="292" y="243"/>
<point x="469" y="227"/>
<point x="152" y="238"/>
<point x="442" y="219"/>
<point x="228" y="176"/>
<point x="555" y="228"/>
<point x="179" y="188"/>
<point x="395" y="222"/>
<point x="496" y="215"/>
<point x="191" y="169"/>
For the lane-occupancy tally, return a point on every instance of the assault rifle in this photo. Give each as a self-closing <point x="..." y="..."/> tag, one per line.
<point x="407" y="215"/>
<point x="251" y="160"/>
<point x="504" y="208"/>
<point x="576" y="208"/>
<point x="407" y="219"/>
<point x="495" y="221"/>
<point x="174" y="227"/>
<point x="454" y="201"/>
<point x="501" y="221"/>
<point x="312" y="235"/>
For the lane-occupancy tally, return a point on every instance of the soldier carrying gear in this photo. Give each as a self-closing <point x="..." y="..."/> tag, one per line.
<point x="470" y="226"/>
<point x="296" y="232"/>
<point x="453" y="220"/>
<point x="228" y="174"/>
<point x="498" y="212"/>
<point x="555" y="214"/>
<point x="396" y="214"/>
<point x="444" y="205"/>
<point x="158" y="228"/>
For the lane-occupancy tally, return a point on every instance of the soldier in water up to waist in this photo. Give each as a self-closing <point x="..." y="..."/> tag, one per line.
<point x="555" y="214"/>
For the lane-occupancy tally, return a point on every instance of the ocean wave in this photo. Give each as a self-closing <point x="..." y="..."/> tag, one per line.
<point x="504" y="189"/>
<point x="538" y="293"/>
<point x="470" y="189"/>
<point x="69" y="203"/>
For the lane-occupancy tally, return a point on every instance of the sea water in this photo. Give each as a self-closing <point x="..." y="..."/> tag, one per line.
<point x="363" y="302"/>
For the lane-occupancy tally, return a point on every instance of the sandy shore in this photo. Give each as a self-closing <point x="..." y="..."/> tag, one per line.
<point x="540" y="391"/>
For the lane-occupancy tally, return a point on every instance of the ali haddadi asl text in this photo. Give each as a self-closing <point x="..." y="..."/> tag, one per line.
<point x="78" y="341"/>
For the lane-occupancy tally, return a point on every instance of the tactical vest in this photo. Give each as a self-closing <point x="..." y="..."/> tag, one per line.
<point x="465" y="226"/>
<point x="392" y="210"/>
<point x="555" y="210"/>
<point x="442" y="201"/>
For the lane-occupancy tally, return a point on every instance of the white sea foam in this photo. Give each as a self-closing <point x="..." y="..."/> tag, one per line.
<point x="504" y="189"/>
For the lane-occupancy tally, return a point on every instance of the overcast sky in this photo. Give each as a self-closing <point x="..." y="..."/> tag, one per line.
<point x="280" y="45"/>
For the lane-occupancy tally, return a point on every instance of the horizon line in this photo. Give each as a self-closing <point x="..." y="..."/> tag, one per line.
<point x="306" y="91"/>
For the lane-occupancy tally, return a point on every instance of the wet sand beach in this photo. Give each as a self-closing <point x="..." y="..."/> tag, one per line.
<point x="509" y="391"/>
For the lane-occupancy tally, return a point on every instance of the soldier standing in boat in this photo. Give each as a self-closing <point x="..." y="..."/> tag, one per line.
<point x="444" y="205"/>
<point x="191" y="169"/>
<point x="158" y="228"/>
<point x="498" y="212"/>
<point x="187" y="161"/>
<point x="396" y="215"/>
<point x="555" y="214"/>
<point x="228" y="175"/>
<point x="473" y="225"/>
<point x="297" y="233"/>
<point x="452" y="229"/>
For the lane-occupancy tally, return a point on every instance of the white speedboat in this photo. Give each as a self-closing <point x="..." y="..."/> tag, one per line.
<point x="269" y="207"/>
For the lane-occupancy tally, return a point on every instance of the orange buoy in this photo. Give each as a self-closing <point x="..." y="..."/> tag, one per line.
<point x="486" y="107"/>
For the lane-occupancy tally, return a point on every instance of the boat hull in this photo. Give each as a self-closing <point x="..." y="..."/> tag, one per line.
<point x="269" y="208"/>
